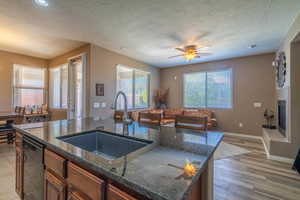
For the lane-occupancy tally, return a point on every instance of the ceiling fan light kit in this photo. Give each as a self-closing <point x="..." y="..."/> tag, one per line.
<point x="190" y="52"/>
<point x="190" y="55"/>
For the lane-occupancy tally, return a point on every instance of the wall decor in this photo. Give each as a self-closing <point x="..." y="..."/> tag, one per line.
<point x="99" y="89"/>
<point x="280" y="64"/>
<point x="161" y="98"/>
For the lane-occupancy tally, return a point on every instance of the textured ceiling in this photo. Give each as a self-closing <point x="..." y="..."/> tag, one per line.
<point x="146" y="30"/>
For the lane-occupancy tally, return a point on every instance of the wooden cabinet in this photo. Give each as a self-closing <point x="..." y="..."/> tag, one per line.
<point x="54" y="188"/>
<point x="114" y="193"/>
<point x="83" y="184"/>
<point x="19" y="165"/>
<point x="19" y="171"/>
<point x="55" y="163"/>
<point x="19" y="140"/>
<point x="64" y="180"/>
<point x="73" y="195"/>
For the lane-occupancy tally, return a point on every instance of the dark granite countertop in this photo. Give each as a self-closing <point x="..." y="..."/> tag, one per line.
<point x="151" y="172"/>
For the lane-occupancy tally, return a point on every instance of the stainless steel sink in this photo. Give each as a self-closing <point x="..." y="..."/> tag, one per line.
<point x="107" y="145"/>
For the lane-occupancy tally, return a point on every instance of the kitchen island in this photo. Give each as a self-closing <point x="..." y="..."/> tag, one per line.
<point x="154" y="171"/>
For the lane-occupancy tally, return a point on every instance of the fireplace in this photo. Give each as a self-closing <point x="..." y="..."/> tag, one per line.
<point x="282" y="117"/>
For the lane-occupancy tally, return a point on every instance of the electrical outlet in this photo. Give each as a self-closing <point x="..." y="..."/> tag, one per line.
<point x="241" y="125"/>
<point x="257" y="105"/>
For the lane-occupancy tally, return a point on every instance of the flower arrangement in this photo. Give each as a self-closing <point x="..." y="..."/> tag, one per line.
<point x="160" y="98"/>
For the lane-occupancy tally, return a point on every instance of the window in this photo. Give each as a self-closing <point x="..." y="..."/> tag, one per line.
<point x="28" y="86"/>
<point x="58" y="80"/>
<point x="135" y="84"/>
<point x="208" y="89"/>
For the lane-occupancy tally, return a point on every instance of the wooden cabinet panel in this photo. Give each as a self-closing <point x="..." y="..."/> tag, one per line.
<point x="54" y="188"/>
<point x="19" y="172"/>
<point x="73" y="195"/>
<point x="19" y="140"/>
<point x="114" y="193"/>
<point x="55" y="162"/>
<point x="195" y="193"/>
<point x="81" y="181"/>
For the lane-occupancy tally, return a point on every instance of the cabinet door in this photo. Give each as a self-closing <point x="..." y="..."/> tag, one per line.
<point x="84" y="183"/>
<point x="54" y="188"/>
<point x="114" y="193"/>
<point x="19" y="172"/>
<point x="73" y="195"/>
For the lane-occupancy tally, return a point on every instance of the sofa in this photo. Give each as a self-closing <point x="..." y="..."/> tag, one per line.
<point x="168" y="115"/>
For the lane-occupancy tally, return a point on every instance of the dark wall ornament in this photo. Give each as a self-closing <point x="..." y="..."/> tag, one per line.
<point x="280" y="65"/>
<point x="99" y="89"/>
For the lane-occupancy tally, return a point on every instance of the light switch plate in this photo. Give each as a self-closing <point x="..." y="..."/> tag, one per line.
<point x="96" y="105"/>
<point x="103" y="104"/>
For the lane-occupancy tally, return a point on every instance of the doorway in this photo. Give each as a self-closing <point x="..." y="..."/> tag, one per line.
<point x="77" y="87"/>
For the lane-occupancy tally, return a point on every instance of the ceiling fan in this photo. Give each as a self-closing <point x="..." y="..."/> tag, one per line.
<point x="190" y="52"/>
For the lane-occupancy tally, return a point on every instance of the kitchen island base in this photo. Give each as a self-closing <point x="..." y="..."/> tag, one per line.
<point x="153" y="167"/>
<point x="64" y="179"/>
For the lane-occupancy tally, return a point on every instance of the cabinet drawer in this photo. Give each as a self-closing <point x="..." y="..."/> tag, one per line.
<point x="114" y="193"/>
<point x="55" y="162"/>
<point x="84" y="182"/>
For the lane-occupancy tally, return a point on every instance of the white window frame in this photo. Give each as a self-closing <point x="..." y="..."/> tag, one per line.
<point x="133" y="86"/>
<point x="60" y="107"/>
<point x="206" y="106"/>
<point x="14" y="86"/>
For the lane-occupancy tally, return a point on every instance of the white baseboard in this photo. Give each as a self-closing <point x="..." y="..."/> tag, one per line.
<point x="269" y="156"/>
<point x="242" y="135"/>
<point x="281" y="159"/>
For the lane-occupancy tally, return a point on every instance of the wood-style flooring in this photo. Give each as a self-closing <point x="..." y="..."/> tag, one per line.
<point x="252" y="176"/>
<point x="244" y="177"/>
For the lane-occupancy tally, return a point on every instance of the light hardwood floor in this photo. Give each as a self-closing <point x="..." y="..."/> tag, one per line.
<point x="245" y="177"/>
<point x="253" y="177"/>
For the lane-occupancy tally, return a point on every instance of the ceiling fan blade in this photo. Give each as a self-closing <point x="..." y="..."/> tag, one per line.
<point x="176" y="56"/>
<point x="203" y="46"/>
<point x="180" y="49"/>
<point x="204" y="54"/>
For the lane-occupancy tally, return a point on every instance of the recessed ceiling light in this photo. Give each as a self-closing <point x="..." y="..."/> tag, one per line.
<point x="43" y="3"/>
<point x="252" y="46"/>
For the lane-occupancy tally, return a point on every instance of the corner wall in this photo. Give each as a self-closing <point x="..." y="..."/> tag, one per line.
<point x="253" y="81"/>
<point x="103" y="70"/>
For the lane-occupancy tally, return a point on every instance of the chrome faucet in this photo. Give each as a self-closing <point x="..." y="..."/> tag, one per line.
<point x="126" y="119"/>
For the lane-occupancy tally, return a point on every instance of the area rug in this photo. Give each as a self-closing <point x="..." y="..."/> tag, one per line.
<point x="226" y="150"/>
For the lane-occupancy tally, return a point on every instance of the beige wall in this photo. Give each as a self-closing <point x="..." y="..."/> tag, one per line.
<point x="253" y="81"/>
<point x="59" y="114"/>
<point x="103" y="70"/>
<point x="7" y="60"/>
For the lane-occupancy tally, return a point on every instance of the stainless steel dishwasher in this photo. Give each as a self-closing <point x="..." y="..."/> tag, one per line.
<point x="33" y="169"/>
